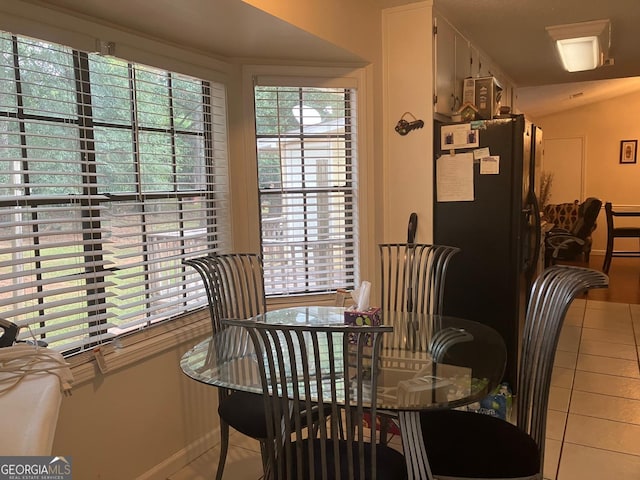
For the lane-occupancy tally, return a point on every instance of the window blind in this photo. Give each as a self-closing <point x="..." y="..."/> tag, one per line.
<point x="307" y="155"/>
<point x="110" y="174"/>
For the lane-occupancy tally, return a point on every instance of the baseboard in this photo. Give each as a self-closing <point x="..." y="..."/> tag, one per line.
<point x="182" y="457"/>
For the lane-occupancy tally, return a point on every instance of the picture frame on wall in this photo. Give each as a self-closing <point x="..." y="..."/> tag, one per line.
<point x="628" y="151"/>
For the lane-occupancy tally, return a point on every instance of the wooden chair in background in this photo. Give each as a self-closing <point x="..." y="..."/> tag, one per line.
<point x="614" y="232"/>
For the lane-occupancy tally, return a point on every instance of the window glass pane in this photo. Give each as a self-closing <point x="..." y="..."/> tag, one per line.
<point x="191" y="173"/>
<point x="10" y="164"/>
<point x="110" y="92"/>
<point x="187" y="104"/>
<point x="7" y="75"/>
<point x="156" y="161"/>
<point x="152" y="98"/>
<point x="115" y="161"/>
<point x="54" y="159"/>
<point x="41" y="66"/>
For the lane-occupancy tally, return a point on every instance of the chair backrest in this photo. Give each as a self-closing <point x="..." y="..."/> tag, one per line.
<point x="587" y="216"/>
<point x="413" y="276"/>
<point x="551" y="295"/>
<point x="562" y="215"/>
<point x="234" y="283"/>
<point x="313" y="366"/>
<point x="608" y="209"/>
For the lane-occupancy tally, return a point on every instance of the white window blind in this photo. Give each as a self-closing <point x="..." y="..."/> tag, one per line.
<point x="307" y="154"/>
<point x="110" y="174"/>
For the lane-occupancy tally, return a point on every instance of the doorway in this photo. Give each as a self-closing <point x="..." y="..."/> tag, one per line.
<point x="564" y="158"/>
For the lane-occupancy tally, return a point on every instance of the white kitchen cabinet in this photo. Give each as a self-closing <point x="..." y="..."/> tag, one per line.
<point x="456" y="58"/>
<point x="445" y="67"/>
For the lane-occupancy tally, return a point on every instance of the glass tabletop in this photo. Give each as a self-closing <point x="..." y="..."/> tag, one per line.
<point x="428" y="361"/>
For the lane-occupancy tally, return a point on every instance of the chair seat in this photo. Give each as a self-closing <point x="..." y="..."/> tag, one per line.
<point x="390" y="463"/>
<point x="473" y="445"/>
<point x="244" y="412"/>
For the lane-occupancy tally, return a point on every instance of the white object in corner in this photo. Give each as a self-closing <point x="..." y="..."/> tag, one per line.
<point x="32" y="382"/>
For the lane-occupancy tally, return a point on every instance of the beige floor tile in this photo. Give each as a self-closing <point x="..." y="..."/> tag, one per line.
<point x="607" y="320"/>
<point x="552" y="451"/>
<point x="605" y="434"/>
<point x="241" y="464"/>
<point x="574" y="317"/>
<point x="608" y="306"/>
<point x="621" y="367"/>
<point x="236" y="439"/>
<point x="578" y="303"/>
<point x="584" y="463"/>
<point x="559" y="398"/>
<point x="600" y="335"/>
<point x="566" y="359"/>
<point x="606" y="349"/>
<point x="562" y="377"/>
<point x="635" y="311"/>
<point x="569" y="339"/>
<point x="607" y="384"/>
<point x="556" y="422"/>
<point x="608" y="407"/>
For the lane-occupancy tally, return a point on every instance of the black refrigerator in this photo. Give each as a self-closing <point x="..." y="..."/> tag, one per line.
<point x="496" y="224"/>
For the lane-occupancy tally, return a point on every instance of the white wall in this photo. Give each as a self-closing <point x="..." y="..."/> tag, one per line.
<point x="145" y="419"/>
<point x="408" y="87"/>
<point x="603" y="125"/>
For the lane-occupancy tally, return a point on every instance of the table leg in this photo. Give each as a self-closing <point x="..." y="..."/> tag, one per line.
<point x="413" y="446"/>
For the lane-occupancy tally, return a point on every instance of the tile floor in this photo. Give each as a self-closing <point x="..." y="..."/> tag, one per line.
<point x="593" y="429"/>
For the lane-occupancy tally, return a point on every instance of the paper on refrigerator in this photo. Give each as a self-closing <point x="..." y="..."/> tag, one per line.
<point x="454" y="178"/>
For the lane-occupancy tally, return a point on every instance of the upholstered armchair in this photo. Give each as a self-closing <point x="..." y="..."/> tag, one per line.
<point x="570" y="238"/>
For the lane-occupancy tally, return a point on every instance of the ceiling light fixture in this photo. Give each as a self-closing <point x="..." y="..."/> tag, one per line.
<point x="582" y="46"/>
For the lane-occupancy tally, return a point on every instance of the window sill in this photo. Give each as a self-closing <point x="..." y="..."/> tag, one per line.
<point x="138" y="346"/>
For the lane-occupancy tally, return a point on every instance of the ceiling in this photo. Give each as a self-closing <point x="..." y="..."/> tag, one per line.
<point x="228" y="29"/>
<point x="511" y="32"/>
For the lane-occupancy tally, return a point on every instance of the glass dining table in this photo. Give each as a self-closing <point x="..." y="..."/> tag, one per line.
<point x="427" y="362"/>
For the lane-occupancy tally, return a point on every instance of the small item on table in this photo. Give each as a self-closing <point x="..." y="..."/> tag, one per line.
<point x="361" y="313"/>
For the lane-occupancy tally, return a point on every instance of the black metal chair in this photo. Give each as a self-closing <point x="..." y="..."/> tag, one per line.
<point x="234" y="283"/>
<point x="412" y="280"/>
<point x="413" y="276"/>
<point x="456" y="441"/>
<point x="303" y="366"/>
<point x="235" y="289"/>
<point x="614" y="232"/>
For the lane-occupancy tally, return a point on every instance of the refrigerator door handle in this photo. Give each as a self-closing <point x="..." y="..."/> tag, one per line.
<point x="533" y="204"/>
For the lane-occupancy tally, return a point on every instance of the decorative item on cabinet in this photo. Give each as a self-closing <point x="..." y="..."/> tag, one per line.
<point x="465" y="113"/>
<point x="485" y="94"/>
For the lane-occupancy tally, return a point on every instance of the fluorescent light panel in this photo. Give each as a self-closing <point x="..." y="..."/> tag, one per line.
<point x="582" y="46"/>
<point x="578" y="54"/>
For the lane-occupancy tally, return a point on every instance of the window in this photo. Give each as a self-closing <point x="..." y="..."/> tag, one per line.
<point x="306" y="150"/>
<point x="110" y="174"/>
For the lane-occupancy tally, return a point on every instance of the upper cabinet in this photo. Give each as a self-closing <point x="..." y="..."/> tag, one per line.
<point x="445" y="95"/>
<point x="456" y="58"/>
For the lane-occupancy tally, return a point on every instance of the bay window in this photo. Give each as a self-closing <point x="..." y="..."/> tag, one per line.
<point x="110" y="174"/>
